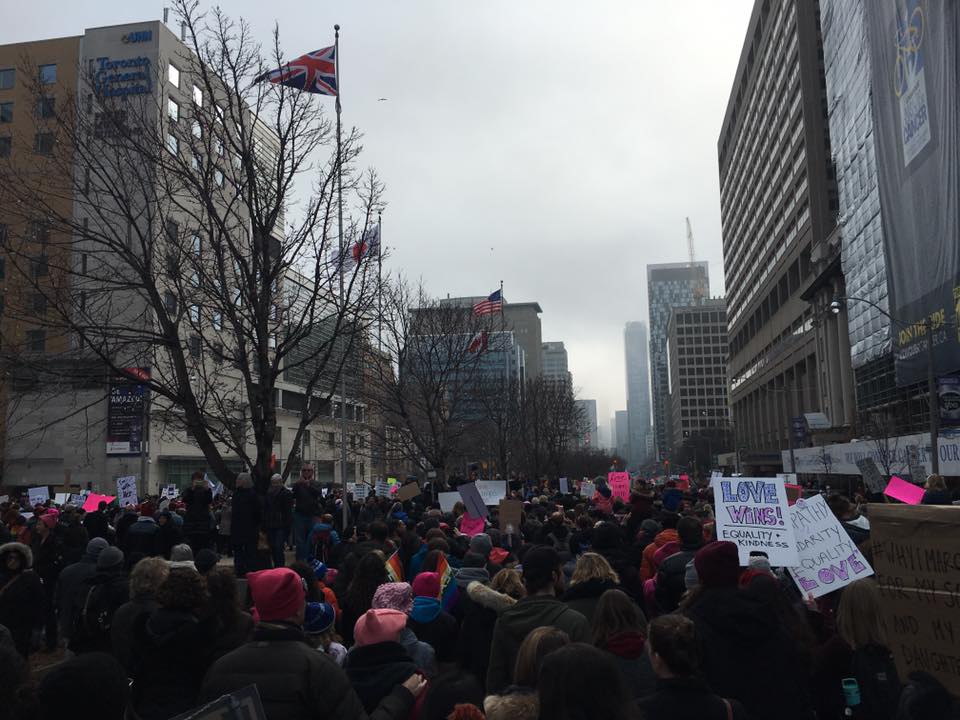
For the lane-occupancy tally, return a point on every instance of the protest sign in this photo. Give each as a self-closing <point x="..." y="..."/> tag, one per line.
<point x="127" y="490"/>
<point x="447" y="500"/>
<point x="872" y="478"/>
<point x="829" y="559"/>
<point x="408" y="491"/>
<point x="391" y="481"/>
<point x="683" y="483"/>
<point x="76" y="500"/>
<point x="492" y="491"/>
<point x="917" y="472"/>
<point x="382" y="488"/>
<point x="38" y="495"/>
<point x="4" y="498"/>
<point x="619" y="483"/>
<point x="564" y="486"/>
<point x="587" y="489"/>
<point x="716" y="474"/>
<point x="472" y="498"/>
<point x="916" y="553"/>
<point x="93" y="501"/>
<point x="358" y="490"/>
<point x="61" y="498"/>
<point x="903" y="491"/>
<point x="470" y="525"/>
<point x="510" y="516"/>
<point x="169" y="491"/>
<point x="754" y="514"/>
<point x="244" y="703"/>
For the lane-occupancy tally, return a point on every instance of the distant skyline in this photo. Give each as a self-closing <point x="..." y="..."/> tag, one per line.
<point x="563" y="174"/>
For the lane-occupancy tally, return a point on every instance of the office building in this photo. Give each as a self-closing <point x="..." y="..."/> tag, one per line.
<point x="778" y="210"/>
<point x="622" y="432"/>
<point x="555" y="365"/>
<point x="635" y="345"/>
<point x="590" y="438"/>
<point x="697" y="349"/>
<point x="669" y="285"/>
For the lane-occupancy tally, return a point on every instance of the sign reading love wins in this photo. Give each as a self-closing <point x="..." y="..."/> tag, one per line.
<point x="754" y="514"/>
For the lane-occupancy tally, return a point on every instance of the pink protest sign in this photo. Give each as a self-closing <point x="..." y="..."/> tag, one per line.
<point x="471" y="526"/>
<point x="619" y="483"/>
<point x="903" y="491"/>
<point x="93" y="501"/>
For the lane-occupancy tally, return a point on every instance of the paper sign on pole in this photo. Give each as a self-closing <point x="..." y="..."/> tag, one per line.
<point x="510" y="516"/>
<point x="587" y="489"/>
<point x="915" y="553"/>
<point x="472" y="498"/>
<point x="61" y="498"/>
<point x="564" y="486"/>
<point x="169" y="491"/>
<point x="408" y="491"/>
<point x="872" y="479"/>
<point x="470" y="525"/>
<point x="127" y="490"/>
<point x="829" y="559"/>
<point x="492" y="491"/>
<point x="38" y="495"/>
<point x="619" y="483"/>
<point x="903" y="491"/>
<point x="754" y="514"/>
<point x="448" y="500"/>
<point x="93" y="501"/>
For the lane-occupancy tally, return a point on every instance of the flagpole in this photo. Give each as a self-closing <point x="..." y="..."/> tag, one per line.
<point x="343" y="360"/>
<point x="506" y="385"/>
<point x="379" y="284"/>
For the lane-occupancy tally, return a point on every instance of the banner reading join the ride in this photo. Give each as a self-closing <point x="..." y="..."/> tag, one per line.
<point x="754" y="514"/>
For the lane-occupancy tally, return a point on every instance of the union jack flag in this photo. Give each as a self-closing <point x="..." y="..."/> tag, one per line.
<point x="315" y="72"/>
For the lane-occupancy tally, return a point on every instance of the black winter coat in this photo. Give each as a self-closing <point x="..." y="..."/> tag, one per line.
<point x="585" y="596"/>
<point x="245" y="518"/>
<point x="278" y="509"/>
<point x="70" y="585"/>
<point x="671" y="577"/>
<point x="114" y="591"/>
<point x="295" y="681"/>
<point x="96" y="525"/>
<point x="198" y="502"/>
<point x="692" y="699"/>
<point x="143" y="537"/>
<point x="21" y="605"/>
<point x="481" y="607"/>
<point x="375" y="670"/>
<point x="307" y="499"/>
<point x="128" y="625"/>
<point x="440" y="634"/>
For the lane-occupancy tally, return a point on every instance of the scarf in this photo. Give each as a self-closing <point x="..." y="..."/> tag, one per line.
<point x="425" y="609"/>
<point x="626" y="645"/>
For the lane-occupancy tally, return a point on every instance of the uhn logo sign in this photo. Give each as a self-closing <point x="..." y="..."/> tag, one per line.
<point x="137" y="37"/>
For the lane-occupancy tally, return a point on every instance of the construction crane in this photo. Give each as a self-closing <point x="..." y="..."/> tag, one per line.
<point x="690" y="242"/>
<point x="699" y="291"/>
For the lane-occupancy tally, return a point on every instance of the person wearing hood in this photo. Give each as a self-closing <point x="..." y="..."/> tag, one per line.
<point x="277" y="518"/>
<point x="48" y="562"/>
<point x="399" y="596"/>
<point x="592" y="577"/>
<point x="102" y="594"/>
<point x="292" y="678"/>
<point x="146" y="577"/>
<point x="747" y="652"/>
<point x="143" y="535"/>
<point x="378" y="662"/>
<point x="70" y="584"/>
<point x="473" y="569"/>
<point x="668" y="534"/>
<point x="174" y="648"/>
<point x="603" y="499"/>
<point x="619" y="629"/>
<point x="482" y="607"/>
<point x="542" y="575"/>
<point x="21" y="594"/>
<point x="429" y="621"/>
<point x="670" y="584"/>
<point x="169" y="534"/>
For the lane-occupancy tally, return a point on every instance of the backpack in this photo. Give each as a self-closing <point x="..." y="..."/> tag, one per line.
<point x="91" y="626"/>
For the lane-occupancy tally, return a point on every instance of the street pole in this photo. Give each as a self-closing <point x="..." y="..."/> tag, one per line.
<point x="343" y="304"/>
<point x="933" y="404"/>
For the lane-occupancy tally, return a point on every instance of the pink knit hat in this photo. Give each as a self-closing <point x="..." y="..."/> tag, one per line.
<point x="393" y="596"/>
<point x="377" y="626"/>
<point x="427" y="584"/>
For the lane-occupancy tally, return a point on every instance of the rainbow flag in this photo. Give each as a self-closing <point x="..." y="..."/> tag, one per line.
<point x="394" y="567"/>
<point x="448" y="589"/>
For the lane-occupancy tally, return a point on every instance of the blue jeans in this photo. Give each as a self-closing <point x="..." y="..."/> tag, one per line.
<point x="277" y="537"/>
<point x="302" y="525"/>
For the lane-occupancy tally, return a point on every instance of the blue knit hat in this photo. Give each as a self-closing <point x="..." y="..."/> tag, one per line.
<point x="319" y="618"/>
<point x="319" y="569"/>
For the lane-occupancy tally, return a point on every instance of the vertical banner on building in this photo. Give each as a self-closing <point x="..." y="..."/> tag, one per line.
<point x="125" y="410"/>
<point x="916" y="105"/>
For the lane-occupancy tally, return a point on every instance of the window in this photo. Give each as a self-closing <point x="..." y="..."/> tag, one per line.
<point x="173" y="145"/>
<point x="220" y="114"/>
<point x="173" y="75"/>
<point x="197" y="96"/>
<point x="218" y="353"/>
<point x="46" y="108"/>
<point x="217" y="320"/>
<point x="196" y="246"/>
<point x="173" y="110"/>
<point x="43" y="143"/>
<point x="195" y="313"/>
<point x="48" y="74"/>
<point x="41" y="266"/>
<point x="6" y="112"/>
<point x="173" y="231"/>
<point x="36" y="340"/>
<point x="39" y="303"/>
<point x="3" y="261"/>
<point x="5" y="146"/>
<point x="194" y="346"/>
<point x="196" y="130"/>
<point x="170" y="303"/>
<point x="7" y="76"/>
<point x="218" y="177"/>
<point x="194" y="161"/>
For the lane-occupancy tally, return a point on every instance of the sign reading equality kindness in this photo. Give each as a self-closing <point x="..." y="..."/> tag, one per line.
<point x="754" y="514"/>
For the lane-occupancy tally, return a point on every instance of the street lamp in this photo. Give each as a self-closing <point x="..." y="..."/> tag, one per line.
<point x="932" y="403"/>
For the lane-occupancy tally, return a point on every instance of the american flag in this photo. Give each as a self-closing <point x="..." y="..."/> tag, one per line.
<point x="492" y="304"/>
<point x="315" y="72"/>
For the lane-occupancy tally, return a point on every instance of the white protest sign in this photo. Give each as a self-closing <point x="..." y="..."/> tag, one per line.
<point x="829" y="559"/>
<point x="492" y="491"/>
<point x="358" y="490"/>
<point x="587" y="489"/>
<point x="788" y="478"/>
<point x="61" y="498"/>
<point x="564" y="486"/>
<point x="448" y="500"/>
<point x="716" y="474"/>
<point x="76" y="499"/>
<point x="382" y="488"/>
<point x="38" y="495"/>
<point x="127" y="490"/>
<point x="754" y="514"/>
<point x="169" y="492"/>
<point x="4" y="498"/>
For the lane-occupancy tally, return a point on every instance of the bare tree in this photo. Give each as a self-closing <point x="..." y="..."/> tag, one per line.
<point x="550" y="421"/>
<point x="195" y="237"/>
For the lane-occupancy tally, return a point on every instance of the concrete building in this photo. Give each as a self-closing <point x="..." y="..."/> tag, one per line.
<point x="622" y="432"/>
<point x="669" y="285"/>
<point x="590" y="438"/>
<point x="778" y="206"/>
<point x="636" y="348"/>
<point x="697" y="348"/>
<point x="555" y="364"/>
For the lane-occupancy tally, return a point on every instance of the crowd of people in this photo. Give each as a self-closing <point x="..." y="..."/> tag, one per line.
<point x="592" y="608"/>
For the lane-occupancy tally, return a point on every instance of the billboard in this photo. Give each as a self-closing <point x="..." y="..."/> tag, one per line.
<point x="916" y="103"/>
<point x="125" y="410"/>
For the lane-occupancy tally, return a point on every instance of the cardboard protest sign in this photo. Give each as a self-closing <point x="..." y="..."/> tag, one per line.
<point x="754" y="514"/>
<point x="564" y="487"/>
<point x="587" y="489"/>
<point x="492" y="491"/>
<point x="916" y="553"/>
<point x="903" y="491"/>
<point x="93" y="501"/>
<point x="127" y="490"/>
<point x="829" y="559"/>
<point x="472" y="498"/>
<point x="38" y="495"/>
<point x="619" y="483"/>
<point x="510" y="516"/>
<point x="470" y="525"/>
<point x="61" y="498"/>
<point x="408" y="491"/>
<point x="872" y="478"/>
<point x="447" y="500"/>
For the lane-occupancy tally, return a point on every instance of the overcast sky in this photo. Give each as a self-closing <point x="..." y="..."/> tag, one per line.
<point x="556" y="145"/>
